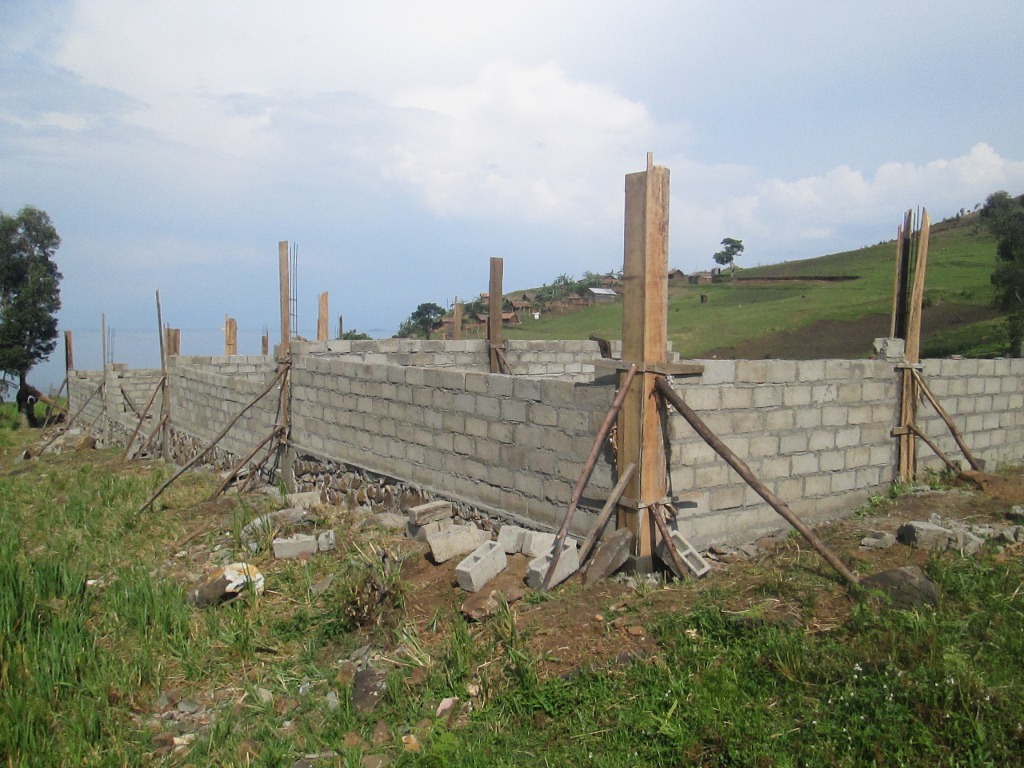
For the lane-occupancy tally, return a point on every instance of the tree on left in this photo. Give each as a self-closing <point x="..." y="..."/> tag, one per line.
<point x="29" y="297"/>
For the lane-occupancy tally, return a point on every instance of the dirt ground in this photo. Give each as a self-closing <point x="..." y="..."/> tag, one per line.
<point x="834" y="339"/>
<point x="606" y="623"/>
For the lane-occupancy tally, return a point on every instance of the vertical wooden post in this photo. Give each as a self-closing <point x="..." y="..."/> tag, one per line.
<point x="265" y="344"/>
<point x="495" y="302"/>
<point x="172" y="341"/>
<point x="69" y="352"/>
<point x="341" y="326"/>
<point x="322" y="332"/>
<point x="457" y="320"/>
<point x="230" y="336"/>
<point x="165" y="401"/>
<point x="284" y="357"/>
<point x="644" y="342"/>
<point x="286" y="314"/>
<point x="909" y="389"/>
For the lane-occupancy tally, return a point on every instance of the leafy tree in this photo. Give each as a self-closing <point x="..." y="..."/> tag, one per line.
<point x="1004" y="216"/>
<point x="732" y="248"/>
<point x="424" y="319"/>
<point x="354" y="335"/>
<point x="29" y="290"/>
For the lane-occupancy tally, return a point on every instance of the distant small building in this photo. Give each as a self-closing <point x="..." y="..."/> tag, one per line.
<point x="676" y="277"/>
<point x="601" y="296"/>
<point x="701" y="278"/>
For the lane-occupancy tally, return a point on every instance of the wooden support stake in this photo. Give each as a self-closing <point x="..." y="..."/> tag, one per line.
<point x="172" y="342"/>
<point x="734" y="461"/>
<point x="494" y="307"/>
<point x="127" y="398"/>
<point x="588" y="470"/>
<point x="644" y="342"/>
<point x="265" y="344"/>
<point x="165" y="389"/>
<point x="142" y="418"/>
<point x="657" y="512"/>
<point x="936" y="450"/>
<point x="912" y="339"/>
<point x="50" y="404"/>
<point x="606" y="513"/>
<point x="322" y="331"/>
<point x="220" y="436"/>
<point x="149" y="438"/>
<point x="275" y="432"/>
<point x="975" y="465"/>
<point x="284" y="358"/>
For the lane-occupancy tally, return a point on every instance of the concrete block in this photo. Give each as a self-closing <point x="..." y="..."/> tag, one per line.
<point x="295" y="546"/>
<point x="921" y="535"/>
<point x="485" y="562"/>
<point x="430" y="512"/>
<point x="454" y="541"/>
<point x="421" y="532"/>
<point x="536" y="544"/>
<point x="610" y="555"/>
<point x="511" y="538"/>
<point x="568" y="564"/>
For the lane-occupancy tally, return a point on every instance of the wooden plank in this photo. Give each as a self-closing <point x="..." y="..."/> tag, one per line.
<point x="644" y="341"/>
<point x="494" y="307"/>
<point x="103" y="333"/>
<point x="457" y="320"/>
<point x="896" y="283"/>
<point x="285" y="288"/>
<point x="69" y="352"/>
<point x="913" y="342"/>
<point x="322" y="331"/>
<point x="165" y="401"/>
<point x="230" y="336"/>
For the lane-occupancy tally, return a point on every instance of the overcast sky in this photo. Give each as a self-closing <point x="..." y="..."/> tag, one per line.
<point x="402" y="144"/>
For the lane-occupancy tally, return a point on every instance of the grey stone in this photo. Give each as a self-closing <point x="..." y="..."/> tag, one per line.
<point x="568" y="564"/>
<point x="430" y="512"/>
<point x="968" y="543"/>
<point x="303" y="500"/>
<point x="907" y="587"/>
<point x="368" y="689"/>
<point x="333" y="702"/>
<point x="889" y="348"/>
<point x="482" y="565"/>
<point x="389" y="521"/>
<point x="421" y="532"/>
<point x="921" y="535"/>
<point x="878" y="540"/>
<point x="265" y="525"/>
<point x="321" y="586"/>
<point x="326" y="541"/>
<point x="295" y="546"/>
<point x="610" y="555"/>
<point x="455" y="541"/>
<point x="226" y="584"/>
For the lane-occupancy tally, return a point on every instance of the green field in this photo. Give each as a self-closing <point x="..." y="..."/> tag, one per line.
<point x="958" y="292"/>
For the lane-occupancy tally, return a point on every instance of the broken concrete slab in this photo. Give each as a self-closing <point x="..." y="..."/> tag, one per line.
<point x="907" y="587"/>
<point x="226" y="584"/>
<point x="389" y="521"/>
<point x="568" y="564"/>
<point x="511" y="538"/>
<point x="265" y="525"/>
<point x="291" y="547"/>
<point x="303" y="500"/>
<point x="482" y="565"/>
<point x="430" y="512"/>
<point x="921" y="535"/>
<point x="457" y="540"/>
<point x="610" y="555"/>
<point x="421" y="532"/>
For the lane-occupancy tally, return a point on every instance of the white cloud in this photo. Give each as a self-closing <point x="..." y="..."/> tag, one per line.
<point x="518" y="142"/>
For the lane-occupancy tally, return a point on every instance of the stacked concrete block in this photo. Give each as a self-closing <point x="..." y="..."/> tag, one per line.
<point x="510" y="537"/>
<point x="482" y="565"/>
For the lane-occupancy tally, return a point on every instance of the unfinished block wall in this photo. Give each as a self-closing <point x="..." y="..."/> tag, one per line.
<point x="815" y="431"/>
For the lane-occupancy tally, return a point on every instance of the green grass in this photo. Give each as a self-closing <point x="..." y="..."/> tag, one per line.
<point x="94" y="627"/>
<point x="960" y="262"/>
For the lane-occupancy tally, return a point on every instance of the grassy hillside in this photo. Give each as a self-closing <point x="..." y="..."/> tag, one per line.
<point x="749" y="318"/>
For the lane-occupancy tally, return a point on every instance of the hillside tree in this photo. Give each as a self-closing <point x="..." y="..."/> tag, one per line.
<point x="1004" y="216"/>
<point x="29" y="291"/>
<point x="730" y="250"/>
<point x="424" y="319"/>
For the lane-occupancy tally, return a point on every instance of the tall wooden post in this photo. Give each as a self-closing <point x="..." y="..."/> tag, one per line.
<point x="495" y="302"/>
<point x="322" y="331"/>
<point x="69" y="352"/>
<point x="172" y="341"/>
<point x="230" y="336"/>
<point x="341" y="326"/>
<point x="284" y="357"/>
<point x="909" y="389"/>
<point x="265" y="344"/>
<point x="457" y="320"/>
<point x="644" y="342"/>
<point x="103" y="333"/>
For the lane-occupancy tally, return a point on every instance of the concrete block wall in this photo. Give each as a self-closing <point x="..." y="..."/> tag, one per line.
<point x="509" y="442"/>
<point x="136" y="384"/>
<point x="815" y="431"/>
<point x="985" y="399"/>
<point x="203" y="400"/>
